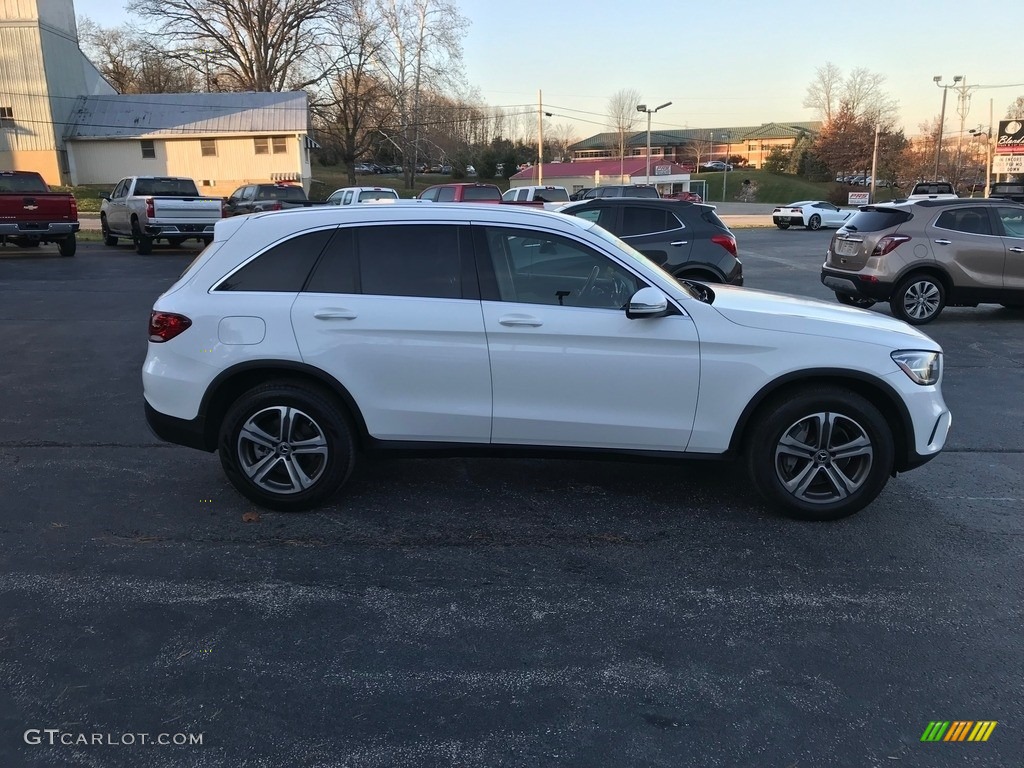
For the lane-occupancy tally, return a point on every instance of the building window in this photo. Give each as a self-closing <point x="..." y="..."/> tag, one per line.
<point x="148" y="148"/>
<point x="6" y="116"/>
<point x="262" y="145"/>
<point x="280" y="144"/>
<point x="208" y="147"/>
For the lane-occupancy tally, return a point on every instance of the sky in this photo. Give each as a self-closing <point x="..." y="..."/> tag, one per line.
<point x="725" y="62"/>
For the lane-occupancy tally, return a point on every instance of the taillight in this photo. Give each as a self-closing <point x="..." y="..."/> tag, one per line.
<point x="150" y="208"/>
<point x="74" y="208"/>
<point x="726" y="241"/>
<point x="276" y="207"/>
<point x="164" y="326"/>
<point x="887" y="243"/>
<point x="798" y="210"/>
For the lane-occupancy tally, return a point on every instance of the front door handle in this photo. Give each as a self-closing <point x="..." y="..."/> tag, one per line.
<point x="943" y="242"/>
<point x="334" y="314"/>
<point x="679" y="242"/>
<point x="520" y="321"/>
<point x="1017" y="250"/>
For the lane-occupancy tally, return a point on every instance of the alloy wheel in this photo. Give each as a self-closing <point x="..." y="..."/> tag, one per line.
<point x="282" y="450"/>
<point x="823" y="458"/>
<point x="922" y="299"/>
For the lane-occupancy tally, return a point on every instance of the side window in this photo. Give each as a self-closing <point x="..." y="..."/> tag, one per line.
<point x="348" y="198"/>
<point x="540" y="268"/>
<point x="282" y="268"/>
<point x="1013" y="221"/>
<point x="639" y="220"/>
<point x="237" y="194"/>
<point x="969" y="220"/>
<point x="248" y="193"/>
<point x="509" y="195"/>
<point x="524" y="195"/>
<point x="446" y="194"/>
<point x="429" y="194"/>
<point x="334" y="199"/>
<point x="337" y="270"/>
<point x="590" y="215"/>
<point x="119" y="189"/>
<point x="410" y="260"/>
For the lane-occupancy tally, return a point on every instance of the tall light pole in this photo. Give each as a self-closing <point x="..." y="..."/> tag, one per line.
<point x="643" y="108"/>
<point x="942" y="116"/>
<point x="725" y="170"/>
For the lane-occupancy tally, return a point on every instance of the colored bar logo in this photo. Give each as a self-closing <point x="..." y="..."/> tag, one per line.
<point x="959" y="730"/>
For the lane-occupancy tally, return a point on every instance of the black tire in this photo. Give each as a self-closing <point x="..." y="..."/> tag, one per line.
<point x="854" y="301"/>
<point x="315" y="416"/>
<point x="919" y="299"/>
<point x="782" y="224"/>
<point x="206" y="240"/>
<point x="67" y="246"/>
<point x="806" y="459"/>
<point x="814" y="223"/>
<point x="108" y="239"/>
<point x="143" y="244"/>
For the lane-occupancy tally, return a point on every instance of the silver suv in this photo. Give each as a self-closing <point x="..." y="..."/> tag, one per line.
<point x="925" y="255"/>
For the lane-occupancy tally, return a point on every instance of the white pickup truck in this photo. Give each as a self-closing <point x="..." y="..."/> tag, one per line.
<point x="932" y="190"/>
<point x="148" y="208"/>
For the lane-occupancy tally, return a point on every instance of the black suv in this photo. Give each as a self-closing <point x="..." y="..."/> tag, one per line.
<point x="621" y="190"/>
<point x="687" y="240"/>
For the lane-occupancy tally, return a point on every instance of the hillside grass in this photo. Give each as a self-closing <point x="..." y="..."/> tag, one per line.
<point x="778" y="188"/>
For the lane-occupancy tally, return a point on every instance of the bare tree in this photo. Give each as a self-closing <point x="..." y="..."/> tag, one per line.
<point x="824" y="91"/>
<point x="1016" y="109"/>
<point x="128" y="61"/>
<point x="623" y="117"/>
<point x="699" y="147"/>
<point x="423" y="46"/>
<point x="355" y="103"/>
<point x="255" y="45"/>
<point x="563" y="136"/>
<point x="861" y="93"/>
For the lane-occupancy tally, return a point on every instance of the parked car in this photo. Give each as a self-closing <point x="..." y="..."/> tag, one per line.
<point x="621" y="190"/>
<point x="716" y="165"/>
<point x="925" y="255"/>
<point x="1007" y="190"/>
<point x="536" y="194"/>
<point x="467" y="192"/>
<point x="151" y="208"/>
<point x="353" y="195"/>
<point x="259" y="198"/>
<point x="812" y="214"/>
<point x="932" y="190"/>
<point x="579" y="194"/>
<point x="687" y="240"/>
<point x="31" y="214"/>
<point x="689" y="197"/>
<point x="340" y="332"/>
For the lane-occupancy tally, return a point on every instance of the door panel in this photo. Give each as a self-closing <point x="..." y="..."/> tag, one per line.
<point x="1012" y="220"/>
<point x="962" y="240"/>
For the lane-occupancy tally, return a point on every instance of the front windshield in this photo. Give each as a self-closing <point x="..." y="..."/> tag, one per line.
<point x="634" y="254"/>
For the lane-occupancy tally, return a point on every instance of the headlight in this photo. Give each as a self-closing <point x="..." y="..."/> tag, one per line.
<point x="922" y="367"/>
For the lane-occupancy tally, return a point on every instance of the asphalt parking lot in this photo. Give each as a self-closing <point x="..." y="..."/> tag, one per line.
<point x="482" y="612"/>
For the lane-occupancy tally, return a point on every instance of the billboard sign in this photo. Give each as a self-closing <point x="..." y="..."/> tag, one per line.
<point x="1008" y="163"/>
<point x="859" y="198"/>
<point x="1010" y="139"/>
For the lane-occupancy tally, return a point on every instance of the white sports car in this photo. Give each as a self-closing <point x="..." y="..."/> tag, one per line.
<point x="813" y="214"/>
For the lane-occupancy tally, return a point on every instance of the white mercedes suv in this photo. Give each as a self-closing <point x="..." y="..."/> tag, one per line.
<point x="299" y="340"/>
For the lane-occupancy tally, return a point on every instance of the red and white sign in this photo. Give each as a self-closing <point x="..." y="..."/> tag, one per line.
<point x="859" y="198"/>
<point x="1010" y="138"/>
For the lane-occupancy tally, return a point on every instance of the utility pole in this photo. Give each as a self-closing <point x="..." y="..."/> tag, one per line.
<point x="540" y="140"/>
<point x="874" y="165"/>
<point x="963" y="107"/>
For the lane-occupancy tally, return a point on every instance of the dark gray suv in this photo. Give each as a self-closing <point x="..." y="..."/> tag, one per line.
<point x="622" y="190"/>
<point x="687" y="240"/>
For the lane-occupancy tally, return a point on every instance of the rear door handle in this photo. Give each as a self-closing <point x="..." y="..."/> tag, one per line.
<point x="1017" y="250"/>
<point x="679" y="242"/>
<point x="334" y="314"/>
<point x="943" y="242"/>
<point x="520" y="320"/>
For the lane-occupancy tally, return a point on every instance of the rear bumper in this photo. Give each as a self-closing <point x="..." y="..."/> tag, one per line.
<point x="179" y="229"/>
<point x="190" y="433"/>
<point x="40" y="229"/>
<point x="793" y="221"/>
<point x="854" y="284"/>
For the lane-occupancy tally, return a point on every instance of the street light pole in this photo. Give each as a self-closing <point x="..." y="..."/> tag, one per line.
<point x="725" y="170"/>
<point x="643" y="108"/>
<point x="942" y="117"/>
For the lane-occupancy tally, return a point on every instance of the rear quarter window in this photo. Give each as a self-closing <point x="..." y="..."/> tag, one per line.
<point x="283" y="268"/>
<point x="877" y="219"/>
<point x="712" y="218"/>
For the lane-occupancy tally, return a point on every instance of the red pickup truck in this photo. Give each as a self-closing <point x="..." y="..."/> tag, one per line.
<point x="31" y="214"/>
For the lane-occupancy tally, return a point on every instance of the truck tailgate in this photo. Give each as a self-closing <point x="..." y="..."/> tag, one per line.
<point x="34" y="207"/>
<point x="187" y="209"/>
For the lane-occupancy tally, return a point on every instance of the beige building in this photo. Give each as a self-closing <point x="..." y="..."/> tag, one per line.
<point x="222" y="140"/>
<point x="60" y="117"/>
<point x="42" y="74"/>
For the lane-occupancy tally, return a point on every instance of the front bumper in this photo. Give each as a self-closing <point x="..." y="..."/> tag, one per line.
<point x="854" y="284"/>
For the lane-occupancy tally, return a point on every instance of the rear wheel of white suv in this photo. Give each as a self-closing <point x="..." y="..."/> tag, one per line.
<point x="286" y="446"/>
<point x="819" y="453"/>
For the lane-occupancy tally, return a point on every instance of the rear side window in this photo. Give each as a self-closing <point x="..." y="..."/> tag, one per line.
<point x="970" y="220"/>
<point x="480" y="193"/>
<point x="711" y="218"/>
<point x="410" y="260"/>
<point x="638" y="220"/>
<point x="446" y="194"/>
<point x="877" y="219"/>
<point x="1013" y="221"/>
<point x="282" y="268"/>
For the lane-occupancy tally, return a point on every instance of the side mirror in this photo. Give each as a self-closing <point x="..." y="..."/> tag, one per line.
<point x="647" y="302"/>
<point x="106" y="199"/>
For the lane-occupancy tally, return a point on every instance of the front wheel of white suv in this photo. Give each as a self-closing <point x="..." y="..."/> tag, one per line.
<point x="819" y="453"/>
<point x="286" y="446"/>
